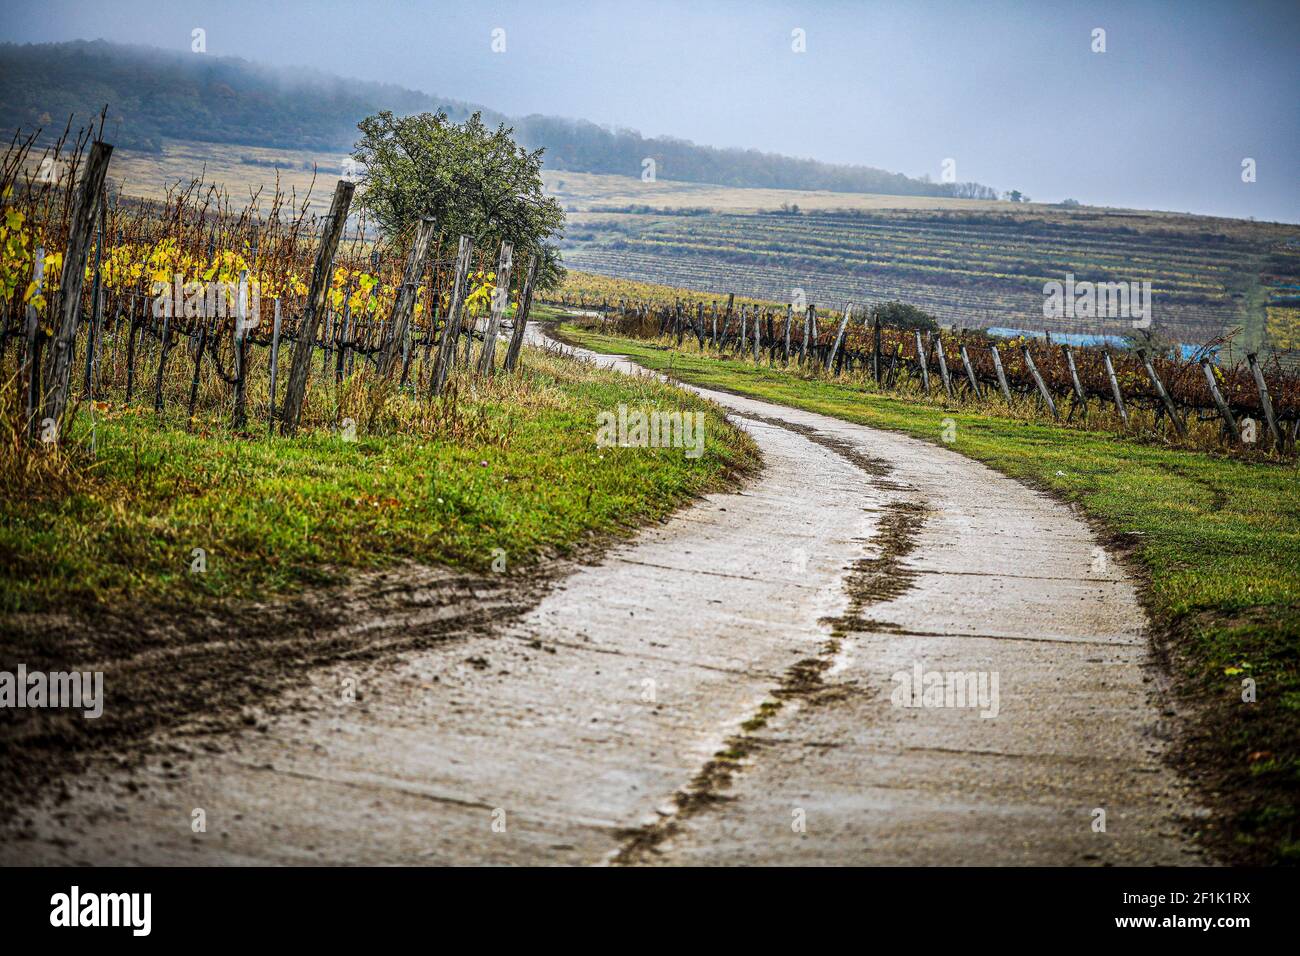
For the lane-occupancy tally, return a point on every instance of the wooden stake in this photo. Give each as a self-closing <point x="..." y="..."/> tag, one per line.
<point x="446" y="357"/>
<point x="521" y="317"/>
<point x="789" y="317"/>
<point x="406" y="295"/>
<point x="35" y="338"/>
<point x="239" y="419"/>
<point x="943" y="365"/>
<point x="198" y="367"/>
<point x="1224" y="411"/>
<point x="1002" y="375"/>
<point x="970" y="371"/>
<point x="839" y="336"/>
<point x="1164" y="396"/>
<point x="1042" y="386"/>
<point x="163" y="350"/>
<point x="1074" y="377"/>
<point x="921" y="363"/>
<point x="807" y="332"/>
<point x="275" y="353"/>
<point x="1264" y="400"/>
<point x="58" y="368"/>
<point x="1114" y="387"/>
<point x="296" y="390"/>
<point x="875" y="352"/>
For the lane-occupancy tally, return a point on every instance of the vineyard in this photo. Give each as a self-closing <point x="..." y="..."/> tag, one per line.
<point x="1249" y="405"/>
<point x="187" y="305"/>
<point x="970" y="269"/>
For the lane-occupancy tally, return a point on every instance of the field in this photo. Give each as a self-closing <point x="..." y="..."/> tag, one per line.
<point x="970" y="269"/>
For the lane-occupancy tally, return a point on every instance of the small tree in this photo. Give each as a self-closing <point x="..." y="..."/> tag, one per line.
<point x="900" y="315"/>
<point x="474" y="180"/>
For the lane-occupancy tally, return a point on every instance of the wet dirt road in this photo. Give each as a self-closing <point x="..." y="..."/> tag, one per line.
<point x="725" y="688"/>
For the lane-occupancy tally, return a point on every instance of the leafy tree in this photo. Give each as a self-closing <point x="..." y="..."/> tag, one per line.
<point x="476" y="181"/>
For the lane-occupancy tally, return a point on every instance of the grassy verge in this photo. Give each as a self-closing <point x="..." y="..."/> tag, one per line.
<point x="1215" y="540"/>
<point x="503" y="469"/>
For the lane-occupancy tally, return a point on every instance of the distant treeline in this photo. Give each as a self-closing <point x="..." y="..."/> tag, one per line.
<point x="155" y="94"/>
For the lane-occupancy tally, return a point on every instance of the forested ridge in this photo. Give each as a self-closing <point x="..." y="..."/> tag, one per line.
<point x="155" y="94"/>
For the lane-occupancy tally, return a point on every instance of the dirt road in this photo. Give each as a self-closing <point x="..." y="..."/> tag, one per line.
<point x="734" y="686"/>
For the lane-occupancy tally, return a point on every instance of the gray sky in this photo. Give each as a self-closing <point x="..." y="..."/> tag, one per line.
<point x="1012" y="91"/>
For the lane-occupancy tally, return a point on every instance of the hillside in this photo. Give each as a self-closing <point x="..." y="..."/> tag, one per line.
<point x="154" y="95"/>
<point x="981" y="266"/>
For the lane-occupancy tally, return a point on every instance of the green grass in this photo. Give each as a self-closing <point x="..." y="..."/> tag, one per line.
<point x="513" y="467"/>
<point x="1216" y="540"/>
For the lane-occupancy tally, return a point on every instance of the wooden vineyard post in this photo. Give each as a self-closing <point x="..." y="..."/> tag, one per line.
<point x="699" y="324"/>
<point x="943" y="365"/>
<point x="239" y="418"/>
<point x="328" y="339"/>
<point x="1265" y="401"/>
<point x="406" y="294"/>
<point x="521" y="317"/>
<point x="1002" y="375"/>
<point x="296" y="389"/>
<point x="275" y="354"/>
<point x="1160" y="391"/>
<point x="131" y="326"/>
<point x="807" y="333"/>
<point x="921" y="362"/>
<point x="758" y="335"/>
<point x="500" y="299"/>
<point x="198" y="367"/>
<point x="726" y="319"/>
<point x="713" y="339"/>
<point x="839" y="336"/>
<point x="345" y="334"/>
<point x="744" y="329"/>
<point x="875" y="352"/>
<point x="1114" y="387"/>
<point x="163" y="349"/>
<point x="96" y="306"/>
<point x="58" y="371"/>
<point x="789" y="318"/>
<point x="970" y="370"/>
<point x="1042" y="386"/>
<point x="1224" y="411"/>
<point x="32" y="356"/>
<point x="446" y="357"/>
<point x="1074" y="380"/>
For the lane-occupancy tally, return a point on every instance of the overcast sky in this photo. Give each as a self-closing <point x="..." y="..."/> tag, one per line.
<point x="1012" y="91"/>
